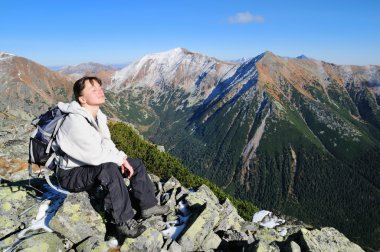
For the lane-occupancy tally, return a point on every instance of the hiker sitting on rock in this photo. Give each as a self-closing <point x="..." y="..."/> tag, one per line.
<point x="90" y="158"/>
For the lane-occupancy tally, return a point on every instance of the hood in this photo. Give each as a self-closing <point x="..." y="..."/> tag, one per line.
<point x="74" y="108"/>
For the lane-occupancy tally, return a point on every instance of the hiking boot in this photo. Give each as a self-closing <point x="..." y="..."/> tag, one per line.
<point x="153" y="211"/>
<point x="131" y="229"/>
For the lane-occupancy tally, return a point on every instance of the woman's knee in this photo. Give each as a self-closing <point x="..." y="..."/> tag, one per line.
<point x="111" y="168"/>
<point x="137" y="165"/>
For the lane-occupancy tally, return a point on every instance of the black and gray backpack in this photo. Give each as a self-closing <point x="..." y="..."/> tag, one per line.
<point x="41" y="152"/>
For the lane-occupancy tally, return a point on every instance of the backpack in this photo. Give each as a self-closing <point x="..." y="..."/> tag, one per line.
<point x="41" y="152"/>
<point x="40" y="144"/>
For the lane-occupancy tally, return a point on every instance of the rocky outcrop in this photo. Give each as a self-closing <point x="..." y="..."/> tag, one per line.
<point x="15" y="127"/>
<point x="34" y="216"/>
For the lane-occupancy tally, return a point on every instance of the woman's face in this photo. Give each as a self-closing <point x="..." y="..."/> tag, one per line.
<point x="92" y="94"/>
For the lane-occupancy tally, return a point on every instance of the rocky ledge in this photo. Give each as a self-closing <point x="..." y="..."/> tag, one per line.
<point x="35" y="217"/>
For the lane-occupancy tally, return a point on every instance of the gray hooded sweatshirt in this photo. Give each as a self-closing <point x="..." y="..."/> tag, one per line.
<point x="85" y="141"/>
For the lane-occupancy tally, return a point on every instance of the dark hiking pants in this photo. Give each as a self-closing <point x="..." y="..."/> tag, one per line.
<point x="117" y="201"/>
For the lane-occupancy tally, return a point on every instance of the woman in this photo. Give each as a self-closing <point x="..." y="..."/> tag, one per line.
<point x="91" y="158"/>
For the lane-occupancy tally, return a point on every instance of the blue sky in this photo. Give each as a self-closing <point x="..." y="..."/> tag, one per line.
<point x="61" y="32"/>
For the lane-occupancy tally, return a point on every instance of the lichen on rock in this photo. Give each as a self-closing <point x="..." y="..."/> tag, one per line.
<point x="199" y="222"/>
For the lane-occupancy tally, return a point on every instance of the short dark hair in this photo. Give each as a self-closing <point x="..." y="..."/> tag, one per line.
<point x="80" y="84"/>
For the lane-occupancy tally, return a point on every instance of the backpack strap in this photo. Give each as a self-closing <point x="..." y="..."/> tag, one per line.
<point x="30" y="170"/>
<point x="51" y="160"/>
<point x="47" y="172"/>
<point x="57" y="126"/>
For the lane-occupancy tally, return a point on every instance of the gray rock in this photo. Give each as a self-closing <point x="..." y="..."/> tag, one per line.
<point x="268" y="235"/>
<point x="326" y="239"/>
<point x="42" y="242"/>
<point x="171" y="217"/>
<point x="265" y="247"/>
<point x="229" y="218"/>
<point x="196" y="200"/>
<point x="238" y="236"/>
<point x="294" y="247"/>
<point x="7" y="241"/>
<point x="171" y="202"/>
<point x="154" y="178"/>
<point x="14" y="135"/>
<point x="17" y="206"/>
<point x="77" y="219"/>
<point x="194" y="236"/>
<point x="92" y="244"/>
<point x="291" y="229"/>
<point x="150" y="240"/>
<point x="250" y="226"/>
<point x="171" y="246"/>
<point x="211" y="242"/>
<point x="172" y="183"/>
<point x="175" y="247"/>
<point x="19" y="175"/>
<point x="79" y="223"/>
<point x="203" y="189"/>
<point x="166" y="244"/>
<point x="155" y="222"/>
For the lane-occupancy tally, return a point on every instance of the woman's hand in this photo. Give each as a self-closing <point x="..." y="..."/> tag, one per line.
<point x="127" y="169"/>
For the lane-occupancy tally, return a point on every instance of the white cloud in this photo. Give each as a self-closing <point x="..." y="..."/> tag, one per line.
<point x="245" y="18"/>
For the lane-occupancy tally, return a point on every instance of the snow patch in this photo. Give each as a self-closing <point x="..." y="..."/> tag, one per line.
<point x="39" y="222"/>
<point x="173" y="231"/>
<point x="183" y="208"/>
<point x="259" y="216"/>
<point x="267" y="219"/>
<point x="5" y="56"/>
<point x="283" y="232"/>
<point x="175" y="228"/>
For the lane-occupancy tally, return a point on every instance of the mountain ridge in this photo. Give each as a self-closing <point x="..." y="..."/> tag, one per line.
<point x="269" y="109"/>
<point x="25" y="83"/>
<point x="271" y="130"/>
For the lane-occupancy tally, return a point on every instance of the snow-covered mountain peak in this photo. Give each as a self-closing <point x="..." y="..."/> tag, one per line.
<point x="179" y="50"/>
<point x="179" y="68"/>
<point x="170" y="57"/>
<point x="4" y="55"/>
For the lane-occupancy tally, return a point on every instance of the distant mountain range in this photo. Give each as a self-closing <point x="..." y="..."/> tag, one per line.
<point x="296" y="135"/>
<point x="104" y="72"/>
